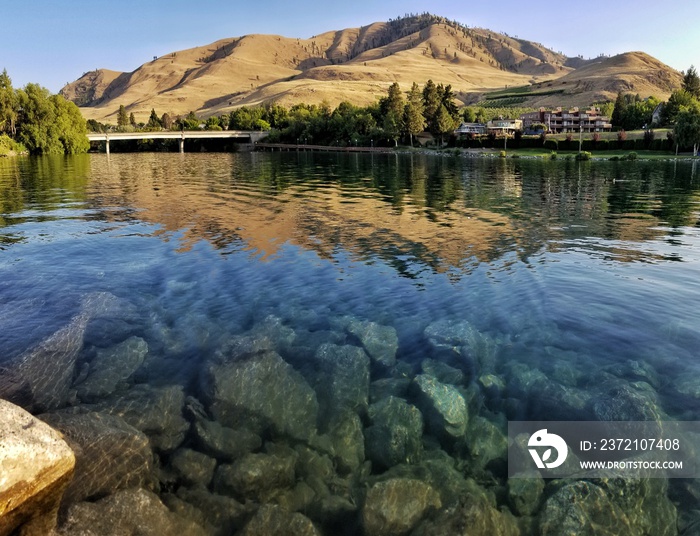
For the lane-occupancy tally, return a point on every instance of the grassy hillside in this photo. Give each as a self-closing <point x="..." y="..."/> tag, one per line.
<point x="358" y="64"/>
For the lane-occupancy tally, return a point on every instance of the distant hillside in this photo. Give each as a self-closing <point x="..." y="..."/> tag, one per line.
<point x="358" y="64"/>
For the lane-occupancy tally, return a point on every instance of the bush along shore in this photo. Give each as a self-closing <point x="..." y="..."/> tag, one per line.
<point x="324" y="427"/>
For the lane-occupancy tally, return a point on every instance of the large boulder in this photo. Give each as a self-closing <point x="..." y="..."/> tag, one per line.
<point x="36" y="465"/>
<point x="224" y="443"/>
<point x="110" y="367"/>
<point x="396" y="433"/>
<point x="110" y="454"/>
<point x="133" y="511"/>
<point x="263" y="392"/>
<point x="394" y="507"/>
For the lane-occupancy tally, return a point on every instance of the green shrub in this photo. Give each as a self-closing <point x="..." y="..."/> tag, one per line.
<point x="631" y="156"/>
<point x="10" y="146"/>
<point x="583" y="155"/>
<point x="553" y="155"/>
<point x="502" y="154"/>
<point x="552" y="145"/>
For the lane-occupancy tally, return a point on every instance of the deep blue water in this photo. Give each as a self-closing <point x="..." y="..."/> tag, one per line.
<point x="565" y="267"/>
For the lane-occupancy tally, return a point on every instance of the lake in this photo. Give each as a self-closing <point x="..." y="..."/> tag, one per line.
<point x="336" y="342"/>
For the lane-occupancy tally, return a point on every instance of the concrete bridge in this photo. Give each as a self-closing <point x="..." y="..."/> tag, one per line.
<point x="252" y="136"/>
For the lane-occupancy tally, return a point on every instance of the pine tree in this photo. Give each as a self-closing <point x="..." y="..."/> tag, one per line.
<point x="122" y="118"/>
<point x="413" y="115"/>
<point x="691" y="82"/>
<point x="153" y="120"/>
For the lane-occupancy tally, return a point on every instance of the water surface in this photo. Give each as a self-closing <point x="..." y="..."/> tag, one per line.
<point x="560" y="281"/>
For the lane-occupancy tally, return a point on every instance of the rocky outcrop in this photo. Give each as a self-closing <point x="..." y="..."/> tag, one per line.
<point x="36" y="465"/>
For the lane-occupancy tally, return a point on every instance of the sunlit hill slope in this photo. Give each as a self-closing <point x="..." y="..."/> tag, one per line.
<point x="357" y="65"/>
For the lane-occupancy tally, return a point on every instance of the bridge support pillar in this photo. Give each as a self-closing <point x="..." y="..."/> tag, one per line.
<point x="182" y="143"/>
<point x="107" y="145"/>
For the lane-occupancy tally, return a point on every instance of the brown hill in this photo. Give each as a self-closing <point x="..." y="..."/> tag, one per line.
<point x="356" y="64"/>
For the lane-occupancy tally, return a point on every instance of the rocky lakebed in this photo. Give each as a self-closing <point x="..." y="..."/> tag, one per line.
<point x="319" y="426"/>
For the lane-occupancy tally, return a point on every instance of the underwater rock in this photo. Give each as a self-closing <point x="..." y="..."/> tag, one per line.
<point x="394" y="507"/>
<point x="272" y="520"/>
<point x="272" y="328"/>
<point x="342" y="381"/>
<point x="442" y="372"/>
<point x="395" y="435"/>
<point x="386" y="387"/>
<point x="582" y="508"/>
<point x="475" y="515"/>
<point x="224" y="443"/>
<point x="110" y="367"/>
<point x="110" y="455"/>
<point x="36" y="465"/>
<point x="622" y="401"/>
<point x="380" y="342"/>
<point x="133" y="511"/>
<point x="225" y="513"/>
<point x="348" y="443"/>
<point x="263" y="392"/>
<point x="106" y="332"/>
<point x="443" y="405"/>
<point x="192" y="467"/>
<point x="486" y="442"/>
<point x="255" y="476"/>
<point x="155" y="411"/>
<point x="525" y="493"/>
<point x="632" y="370"/>
<point x="645" y="503"/>
<point x="40" y="379"/>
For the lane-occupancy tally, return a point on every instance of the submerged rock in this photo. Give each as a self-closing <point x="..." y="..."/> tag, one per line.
<point x="582" y="508"/>
<point x="342" y="382"/>
<point x="622" y="401"/>
<point x="112" y="366"/>
<point x="224" y="513"/>
<point x="443" y="405"/>
<point x="348" y="443"/>
<point x="394" y="507"/>
<point x="193" y="468"/>
<point x="262" y="392"/>
<point x="442" y="372"/>
<point x="272" y="520"/>
<point x="110" y="454"/>
<point x="156" y="411"/>
<point x="134" y="511"/>
<point x="475" y="515"/>
<point x="381" y="342"/>
<point x="40" y="379"/>
<point x="525" y="494"/>
<point x="224" y="443"/>
<point x="36" y="465"/>
<point x="486" y="442"/>
<point x="395" y="435"/>
<point x="255" y="476"/>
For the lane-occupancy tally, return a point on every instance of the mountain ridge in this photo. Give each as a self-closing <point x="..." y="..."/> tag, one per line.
<point x="358" y="64"/>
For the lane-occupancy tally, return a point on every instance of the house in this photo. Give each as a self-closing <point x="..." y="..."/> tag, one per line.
<point x="471" y="128"/>
<point x="504" y="126"/>
<point x="570" y="120"/>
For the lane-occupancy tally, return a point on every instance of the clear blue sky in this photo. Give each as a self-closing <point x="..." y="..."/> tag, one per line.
<point x="53" y="42"/>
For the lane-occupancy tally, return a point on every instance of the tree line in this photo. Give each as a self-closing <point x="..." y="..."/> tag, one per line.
<point x="393" y="118"/>
<point x="34" y="120"/>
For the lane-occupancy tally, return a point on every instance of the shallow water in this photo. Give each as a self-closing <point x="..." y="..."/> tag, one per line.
<point x="569" y="270"/>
